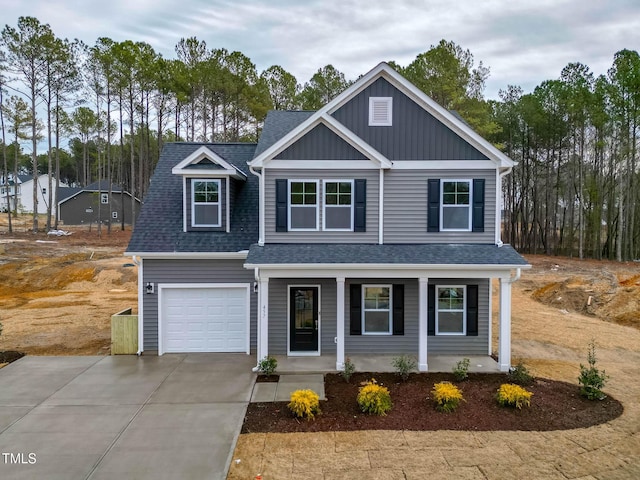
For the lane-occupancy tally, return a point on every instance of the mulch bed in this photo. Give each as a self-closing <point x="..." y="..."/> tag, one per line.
<point x="10" y="356"/>
<point x="267" y="378"/>
<point x="554" y="406"/>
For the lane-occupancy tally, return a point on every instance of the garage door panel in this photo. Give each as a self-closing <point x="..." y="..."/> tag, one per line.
<point x="209" y="319"/>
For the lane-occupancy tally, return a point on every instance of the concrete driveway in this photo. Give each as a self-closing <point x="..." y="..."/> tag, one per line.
<point x="169" y="417"/>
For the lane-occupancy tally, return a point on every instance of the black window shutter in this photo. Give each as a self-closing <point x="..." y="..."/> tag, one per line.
<point x="431" y="310"/>
<point x="398" y="309"/>
<point x="281" y="205"/>
<point x="472" y="310"/>
<point x="356" y="309"/>
<point x="360" y="213"/>
<point x="478" y="205"/>
<point x="433" y="208"/>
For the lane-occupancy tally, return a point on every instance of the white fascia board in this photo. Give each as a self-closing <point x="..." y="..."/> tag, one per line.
<point x="446" y="117"/>
<point x="199" y="154"/>
<point x="242" y="254"/>
<point x="444" y="165"/>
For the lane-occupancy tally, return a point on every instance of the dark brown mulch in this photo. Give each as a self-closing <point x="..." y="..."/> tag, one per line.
<point x="554" y="406"/>
<point x="10" y="356"/>
<point x="267" y="378"/>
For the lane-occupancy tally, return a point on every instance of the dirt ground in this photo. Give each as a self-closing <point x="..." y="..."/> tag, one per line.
<point x="57" y="294"/>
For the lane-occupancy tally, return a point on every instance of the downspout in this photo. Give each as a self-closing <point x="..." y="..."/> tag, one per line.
<point x="381" y="208"/>
<point x="138" y="263"/>
<point x="516" y="277"/>
<point x="260" y="208"/>
<point x="499" y="209"/>
<point x="256" y="276"/>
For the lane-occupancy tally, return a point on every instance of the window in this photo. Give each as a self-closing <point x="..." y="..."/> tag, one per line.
<point x="44" y="192"/>
<point x="206" y="203"/>
<point x="104" y="198"/>
<point x="114" y="215"/>
<point x="380" y="111"/>
<point x="455" y="207"/>
<point x="450" y="310"/>
<point x="338" y="203"/>
<point x="376" y="312"/>
<point x="303" y="205"/>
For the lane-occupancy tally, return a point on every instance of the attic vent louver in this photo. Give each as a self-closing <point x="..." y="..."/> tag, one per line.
<point x="380" y="111"/>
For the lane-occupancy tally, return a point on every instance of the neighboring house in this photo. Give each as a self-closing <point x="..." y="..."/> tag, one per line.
<point x="93" y="203"/>
<point x="370" y="226"/>
<point x="24" y="190"/>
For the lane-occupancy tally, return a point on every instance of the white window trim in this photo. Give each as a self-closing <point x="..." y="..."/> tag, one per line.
<point x="389" y="102"/>
<point x="104" y="196"/>
<point x="290" y="205"/>
<point x="464" y="311"/>
<point x="469" y="206"/>
<point x="114" y="214"/>
<point x="364" y="309"/>
<point x="324" y="205"/>
<point x="193" y="203"/>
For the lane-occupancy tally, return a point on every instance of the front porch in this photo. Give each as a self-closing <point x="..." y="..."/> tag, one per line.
<point x="380" y="363"/>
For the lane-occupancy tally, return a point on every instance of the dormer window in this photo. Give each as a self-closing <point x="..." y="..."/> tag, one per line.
<point x="380" y="111"/>
<point x="206" y="205"/>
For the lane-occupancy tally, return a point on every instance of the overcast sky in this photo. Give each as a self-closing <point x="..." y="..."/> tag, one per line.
<point x="523" y="42"/>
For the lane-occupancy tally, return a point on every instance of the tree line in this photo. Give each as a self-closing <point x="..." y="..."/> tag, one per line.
<point x="105" y="111"/>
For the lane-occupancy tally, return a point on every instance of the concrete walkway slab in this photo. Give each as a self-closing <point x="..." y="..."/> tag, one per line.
<point x="175" y="416"/>
<point x="286" y="385"/>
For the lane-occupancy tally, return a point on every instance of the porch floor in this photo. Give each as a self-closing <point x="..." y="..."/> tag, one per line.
<point x="380" y="363"/>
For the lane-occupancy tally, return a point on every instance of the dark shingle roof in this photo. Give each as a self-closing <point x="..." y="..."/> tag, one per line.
<point x="277" y="124"/>
<point x="159" y="227"/>
<point x="67" y="192"/>
<point x="430" y="254"/>
<point x="101" y="185"/>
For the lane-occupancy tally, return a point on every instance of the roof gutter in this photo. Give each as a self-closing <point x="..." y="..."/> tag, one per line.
<point x="260" y="205"/>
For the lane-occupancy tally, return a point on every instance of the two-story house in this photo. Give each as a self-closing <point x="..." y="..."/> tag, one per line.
<point x="371" y="226"/>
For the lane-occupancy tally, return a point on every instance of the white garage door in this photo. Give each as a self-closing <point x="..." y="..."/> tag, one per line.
<point x="204" y="319"/>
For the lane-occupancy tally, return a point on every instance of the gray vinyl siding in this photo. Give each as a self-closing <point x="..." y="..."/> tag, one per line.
<point x="222" y="196"/>
<point x="320" y="236"/>
<point x="385" y="344"/>
<point x="405" y="207"/>
<point x="462" y="344"/>
<point x="414" y="135"/>
<point x="74" y="210"/>
<point x="279" y="318"/>
<point x="320" y="144"/>
<point x="190" y="271"/>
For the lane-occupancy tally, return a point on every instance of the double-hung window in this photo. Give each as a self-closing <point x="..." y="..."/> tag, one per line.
<point x="450" y="310"/>
<point x="338" y="205"/>
<point x="376" y="311"/>
<point x="206" y="205"/>
<point x="455" y="206"/>
<point x="303" y="205"/>
<point x="104" y="198"/>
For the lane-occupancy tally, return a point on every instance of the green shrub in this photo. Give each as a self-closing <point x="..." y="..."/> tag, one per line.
<point x="447" y="396"/>
<point x="267" y="366"/>
<point x="591" y="379"/>
<point x="349" y="368"/>
<point x="511" y="395"/>
<point x="461" y="370"/>
<point x="520" y="375"/>
<point x="304" y="404"/>
<point x="404" y="365"/>
<point x="374" y="399"/>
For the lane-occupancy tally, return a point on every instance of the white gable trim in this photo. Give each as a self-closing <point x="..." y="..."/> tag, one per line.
<point x="200" y="154"/>
<point x="332" y="124"/>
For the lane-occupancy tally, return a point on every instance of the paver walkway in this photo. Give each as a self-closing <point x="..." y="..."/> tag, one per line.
<point x="605" y="452"/>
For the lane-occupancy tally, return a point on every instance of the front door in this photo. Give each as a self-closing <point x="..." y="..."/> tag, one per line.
<point x="303" y="321"/>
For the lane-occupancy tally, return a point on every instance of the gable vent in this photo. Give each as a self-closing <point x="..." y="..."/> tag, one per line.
<point x="380" y="111"/>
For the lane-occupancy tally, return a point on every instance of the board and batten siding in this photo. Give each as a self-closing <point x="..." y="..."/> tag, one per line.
<point x="320" y="144"/>
<point x="191" y="271"/>
<point x="462" y="344"/>
<point x="415" y="134"/>
<point x="405" y="207"/>
<point x="385" y="344"/>
<point x="279" y="318"/>
<point x="321" y="236"/>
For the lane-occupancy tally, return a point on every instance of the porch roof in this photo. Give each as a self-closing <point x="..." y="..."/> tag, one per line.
<point x="388" y="254"/>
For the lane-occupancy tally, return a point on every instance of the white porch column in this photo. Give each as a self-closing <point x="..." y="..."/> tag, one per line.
<point x="504" y="342"/>
<point x="263" y="319"/>
<point x="423" y="324"/>
<point x="340" y="323"/>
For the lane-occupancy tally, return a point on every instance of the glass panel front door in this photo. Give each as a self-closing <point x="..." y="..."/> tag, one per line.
<point x="303" y="321"/>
